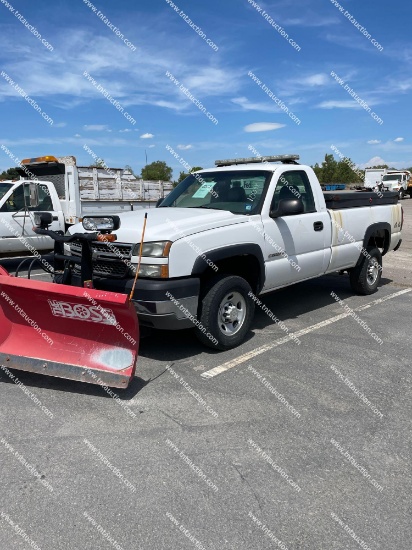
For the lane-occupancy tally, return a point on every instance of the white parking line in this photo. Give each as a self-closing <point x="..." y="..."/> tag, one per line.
<point x="262" y="349"/>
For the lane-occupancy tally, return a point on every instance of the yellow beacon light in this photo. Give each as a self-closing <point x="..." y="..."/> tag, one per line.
<point x="39" y="160"/>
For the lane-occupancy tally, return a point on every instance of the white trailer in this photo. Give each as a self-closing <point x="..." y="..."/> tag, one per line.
<point x="373" y="177"/>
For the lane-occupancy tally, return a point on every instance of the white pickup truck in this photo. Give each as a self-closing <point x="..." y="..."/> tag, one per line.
<point x="227" y="234"/>
<point x="69" y="192"/>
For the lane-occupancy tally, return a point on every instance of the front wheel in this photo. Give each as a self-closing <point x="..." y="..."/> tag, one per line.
<point x="226" y="312"/>
<point x="401" y="194"/>
<point x="365" y="277"/>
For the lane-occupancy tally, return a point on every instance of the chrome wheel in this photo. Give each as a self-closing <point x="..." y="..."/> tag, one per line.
<point x="365" y="276"/>
<point x="226" y="312"/>
<point x="232" y="313"/>
<point x="372" y="271"/>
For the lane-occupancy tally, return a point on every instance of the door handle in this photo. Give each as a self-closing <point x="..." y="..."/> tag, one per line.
<point x="318" y="226"/>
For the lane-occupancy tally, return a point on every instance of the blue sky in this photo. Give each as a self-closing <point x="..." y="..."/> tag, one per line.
<point x="218" y="79"/>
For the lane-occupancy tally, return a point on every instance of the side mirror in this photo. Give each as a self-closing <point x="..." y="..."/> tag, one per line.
<point x="288" y="207"/>
<point x="34" y="194"/>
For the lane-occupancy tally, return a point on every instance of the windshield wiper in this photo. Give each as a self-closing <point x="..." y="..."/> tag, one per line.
<point x="204" y="206"/>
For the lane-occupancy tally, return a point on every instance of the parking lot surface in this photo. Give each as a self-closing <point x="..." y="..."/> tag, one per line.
<point x="293" y="442"/>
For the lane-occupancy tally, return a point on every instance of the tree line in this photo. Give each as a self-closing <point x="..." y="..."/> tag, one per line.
<point x="343" y="171"/>
<point x="329" y="171"/>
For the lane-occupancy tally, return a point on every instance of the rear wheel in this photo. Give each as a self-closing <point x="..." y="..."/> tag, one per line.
<point x="365" y="277"/>
<point x="226" y="312"/>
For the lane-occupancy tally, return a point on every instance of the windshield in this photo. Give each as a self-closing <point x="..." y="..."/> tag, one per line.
<point x="239" y="192"/>
<point x="4" y="188"/>
<point x="393" y="177"/>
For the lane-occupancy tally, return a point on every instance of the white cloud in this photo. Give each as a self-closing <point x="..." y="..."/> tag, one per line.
<point x="184" y="147"/>
<point x="377" y="161"/>
<point x="399" y="139"/>
<point x="151" y="146"/>
<point x="374" y="141"/>
<point x="125" y="130"/>
<point x="263" y="126"/>
<point x="319" y="79"/>
<point x="96" y="127"/>
<point x="211" y="81"/>
<point x="374" y="161"/>
<point x="60" y="125"/>
<point x="311" y="21"/>
<point x="346" y="104"/>
<point x="129" y="80"/>
<point x="77" y="135"/>
<point x="356" y="42"/>
<point x="302" y="86"/>
<point x="106" y="141"/>
<point x="146" y="136"/>
<point x="267" y="107"/>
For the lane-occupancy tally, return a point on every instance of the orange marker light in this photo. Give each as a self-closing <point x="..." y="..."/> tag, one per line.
<point x="103" y="238"/>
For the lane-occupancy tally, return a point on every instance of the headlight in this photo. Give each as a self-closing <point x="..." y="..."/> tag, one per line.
<point x="106" y="223"/>
<point x="159" y="271"/>
<point x="157" y="249"/>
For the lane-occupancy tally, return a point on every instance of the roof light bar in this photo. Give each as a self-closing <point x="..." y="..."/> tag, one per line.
<point x="39" y="160"/>
<point x="291" y="159"/>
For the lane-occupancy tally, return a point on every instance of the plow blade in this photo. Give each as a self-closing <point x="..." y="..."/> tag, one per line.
<point x="68" y="332"/>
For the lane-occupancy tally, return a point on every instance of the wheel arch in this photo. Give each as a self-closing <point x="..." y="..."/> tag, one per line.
<point x="379" y="235"/>
<point x="245" y="260"/>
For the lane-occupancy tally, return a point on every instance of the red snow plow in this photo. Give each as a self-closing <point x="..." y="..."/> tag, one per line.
<point x="77" y="333"/>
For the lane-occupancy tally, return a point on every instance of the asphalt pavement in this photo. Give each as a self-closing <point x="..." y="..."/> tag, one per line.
<point x="297" y="443"/>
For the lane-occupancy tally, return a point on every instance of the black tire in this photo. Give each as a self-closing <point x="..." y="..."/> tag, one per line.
<point x="402" y="194"/>
<point x="213" y="309"/>
<point x="365" y="277"/>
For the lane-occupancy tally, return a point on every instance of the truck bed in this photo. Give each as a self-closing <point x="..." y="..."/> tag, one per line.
<point x="98" y="184"/>
<point x="355" y="199"/>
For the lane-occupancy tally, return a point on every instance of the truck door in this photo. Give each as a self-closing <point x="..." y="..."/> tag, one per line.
<point x="295" y="245"/>
<point x="17" y="220"/>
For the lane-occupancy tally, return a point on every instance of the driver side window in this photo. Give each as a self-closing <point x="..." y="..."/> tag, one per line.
<point x="15" y="202"/>
<point x="294" y="184"/>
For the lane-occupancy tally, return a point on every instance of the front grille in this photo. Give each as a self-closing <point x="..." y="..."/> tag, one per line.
<point x="108" y="249"/>
<point x="116" y="270"/>
<point x="111" y="258"/>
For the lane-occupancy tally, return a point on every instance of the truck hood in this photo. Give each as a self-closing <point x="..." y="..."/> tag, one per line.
<point x="169" y="224"/>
